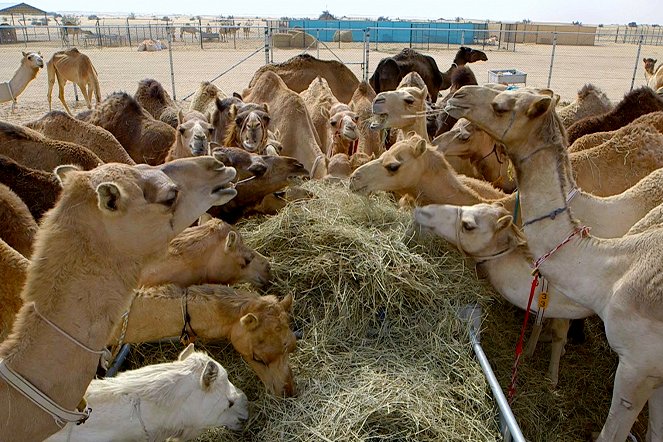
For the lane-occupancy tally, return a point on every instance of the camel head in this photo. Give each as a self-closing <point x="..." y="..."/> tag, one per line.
<point x="279" y="173"/>
<point x="246" y="164"/>
<point x="650" y="64"/>
<point x="397" y="109"/>
<point x="399" y="168"/>
<point x="221" y="117"/>
<point x="249" y="128"/>
<point x="465" y="140"/>
<point x="264" y="339"/>
<point x="33" y="60"/>
<point x="512" y="117"/>
<point x="338" y="167"/>
<point x="344" y="122"/>
<point x="468" y="55"/>
<point x="194" y="133"/>
<point x="481" y="230"/>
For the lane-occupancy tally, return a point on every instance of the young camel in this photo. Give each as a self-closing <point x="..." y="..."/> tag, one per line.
<point x="422" y="172"/>
<point x="71" y="65"/>
<point x="26" y="72"/>
<point x="257" y="326"/>
<point x="87" y="258"/>
<point x="486" y="233"/>
<point x="212" y="253"/>
<point x="192" y="138"/>
<point x="17" y="226"/>
<point x="619" y="279"/>
<point x="370" y="141"/>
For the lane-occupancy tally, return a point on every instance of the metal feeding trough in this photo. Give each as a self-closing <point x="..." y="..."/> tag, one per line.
<point x="506" y="76"/>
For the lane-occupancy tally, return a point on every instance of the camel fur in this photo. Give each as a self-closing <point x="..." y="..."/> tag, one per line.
<point x="155" y="100"/>
<point x="17" y="226"/>
<point x="145" y="139"/>
<point x="13" y="270"/>
<point x="298" y="72"/>
<point x="72" y="65"/>
<point x="86" y="261"/>
<point x="205" y="97"/>
<point x="211" y="253"/>
<point x="34" y="150"/>
<point x="192" y="138"/>
<point x="653" y="119"/>
<point x="27" y="71"/>
<point x="590" y="101"/>
<point x="221" y="117"/>
<point x="618" y="278"/>
<point x="257" y="326"/>
<point x="59" y="125"/>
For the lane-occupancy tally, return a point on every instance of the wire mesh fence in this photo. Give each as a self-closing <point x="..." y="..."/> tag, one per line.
<point x="230" y="52"/>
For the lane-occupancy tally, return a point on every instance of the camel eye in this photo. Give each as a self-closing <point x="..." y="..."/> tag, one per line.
<point x="211" y="130"/>
<point x="393" y="167"/>
<point x="409" y="100"/>
<point x="468" y="226"/>
<point x="181" y="129"/>
<point x="258" y="360"/>
<point x="333" y="122"/>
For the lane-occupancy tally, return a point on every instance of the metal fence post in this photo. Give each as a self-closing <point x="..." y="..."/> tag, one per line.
<point x="637" y="61"/>
<point x="200" y="32"/>
<point x="552" y="58"/>
<point x="367" y="51"/>
<point x="266" y="44"/>
<point x="172" y="68"/>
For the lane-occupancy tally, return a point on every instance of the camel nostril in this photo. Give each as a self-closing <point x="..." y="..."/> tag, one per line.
<point x="230" y="403"/>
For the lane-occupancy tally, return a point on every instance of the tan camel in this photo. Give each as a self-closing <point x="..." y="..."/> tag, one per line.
<point x="192" y="138"/>
<point x="616" y="278"/>
<point x="291" y="119"/>
<point x="487" y="234"/>
<point x="61" y="126"/>
<point x="13" y="270"/>
<point x="299" y="71"/>
<point x="71" y="65"/>
<point x="653" y="119"/>
<point x="32" y="149"/>
<point x="257" y="326"/>
<point x="26" y="72"/>
<point x="403" y="108"/>
<point x="589" y="101"/>
<point x="205" y="97"/>
<point x="145" y="139"/>
<point x="422" y="172"/>
<point x="87" y="258"/>
<point x="370" y="141"/>
<point x="17" y="226"/>
<point x="248" y="128"/>
<point x="155" y="100"/>
<point x="653" y="74"/>
<point x="212" y="253"/>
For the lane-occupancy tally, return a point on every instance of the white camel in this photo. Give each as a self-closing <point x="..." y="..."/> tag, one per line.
<point x="26" y="72"/>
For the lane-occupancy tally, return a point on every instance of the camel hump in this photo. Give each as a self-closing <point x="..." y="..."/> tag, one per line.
<point x="14" y="131"/>
<point x="588" y="89"/>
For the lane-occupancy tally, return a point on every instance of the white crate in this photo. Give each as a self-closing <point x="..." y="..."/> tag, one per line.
<point x="506" y="76"/>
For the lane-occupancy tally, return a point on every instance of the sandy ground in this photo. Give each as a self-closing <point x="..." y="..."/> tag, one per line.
<point x="609" y="66"/>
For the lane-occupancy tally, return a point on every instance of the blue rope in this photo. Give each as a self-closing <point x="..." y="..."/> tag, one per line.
<point x="516" y="208"/>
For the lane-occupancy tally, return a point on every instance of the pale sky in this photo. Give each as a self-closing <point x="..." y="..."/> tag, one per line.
<point x="586" y="11"/>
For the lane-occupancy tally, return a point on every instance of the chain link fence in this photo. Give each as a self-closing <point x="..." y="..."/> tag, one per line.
<point x="229" y="53"/>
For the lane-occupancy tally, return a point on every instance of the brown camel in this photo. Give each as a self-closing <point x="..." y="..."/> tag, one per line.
<point x="290" y="119"/>
<point x="299" y="71"/>
<point x="205" y="98"/>
<point x="340" y="166"/>
<point x="653" y="74"/>
<point x="145" y="139"/>
<point x="155" y="100"/>
<point x="653" y="119"/>
<point x="71" y="65"/>
<point x="17" y="226"/>
<point x="59" y="125"/>
<point x="248" y="128"/>
<point x="370" y="141"/>
<point x="212" y="253"/>
<point x="13" y="270"/>
<point x="257" y="326"/>
<point x="34" y="150"/>
<point x="86" y="261"/>
<point x="192" y="138"/>
<point x="39" y="190"/>
<point x="439" y="122"/>
<point x="221" y="118"/>
<point x="589" y="101"/>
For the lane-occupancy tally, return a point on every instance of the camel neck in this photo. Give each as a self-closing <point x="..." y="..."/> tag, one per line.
<point x="417" y="126"/>
<point x="22" y="77"/>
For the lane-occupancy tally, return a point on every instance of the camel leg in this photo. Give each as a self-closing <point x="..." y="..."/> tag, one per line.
<point x="533" y="340"/>
<point x="629" y="395"/>
<point x="655" y="428"/>
<point x="560" y="327"/>
<point x="86" y="89"/>
<point x="51" y="82"/>
<point x="61" y="84"/>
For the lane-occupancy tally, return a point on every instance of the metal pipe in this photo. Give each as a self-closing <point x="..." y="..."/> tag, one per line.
<point x="552" y="58"/>
<point x="118" y="361"/>
<point x="367" y="51"/>
<point x="637" y="61"/>
<point x="172" y="68"/>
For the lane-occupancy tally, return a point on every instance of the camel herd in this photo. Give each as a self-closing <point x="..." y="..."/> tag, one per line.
<point x="116" y="225"/>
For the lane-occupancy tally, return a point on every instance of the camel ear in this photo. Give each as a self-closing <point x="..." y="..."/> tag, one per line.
<point x="108" y="196"/>
<point x="539" y="106"/>
<point x="237" y="95"/>
<point x="188" y="351"/>
<point x="209" y="375"/>
<point x="286" y="303"/>
<point x="420" y="147"/>
<point x="62" y="171"/>
<point x="25" y="54"/>
<point x="180" y="116"/>
<point x="204" y="218"/>
<point x="503" y="222"/>
<point x="265" y="106"/>
<point x="250" y="321"/>
<point x="231" y="241"/>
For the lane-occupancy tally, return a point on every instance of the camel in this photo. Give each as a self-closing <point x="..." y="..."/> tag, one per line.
<point x="635" y="104"/>
<point x="403" y="108"/>
<point x="71" y="65"/>
<point x="26" y="72"/>
<point x="370" y="141"/>
<point x="221" y="118"/>
<point x="299" y="71"/>
<point x="59" y="125"/>
<point x="290" y="119"/>
<point x="145" y="139"/>
<point x="440" y="122"/>
<point x="391" y="70"/>
<point x="86" y="261"/>
<point x="618" y="278"/>
<point x="189" y="30"/>
<point x="13" y="270"/>
<point x="211" y="253"/>
<point x="150" y="45"/>
<point x="34" y="150"/>
<point x="248" y="128"/>
<point x="192" y="137"/>
<point x="589" y="101"/>
<point x="257" y="326"/>
<point x="205" y="97"/>
<point x="340" y="166"/>
<point x="17" y="226"/>
<point x="653" y="119"/>
<point x="37" y="189"/>
<point x="486" y="233"/>
<point x="654" y="76"/>
<point x="156" y="101"/>
<point x="413" y="168"/>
